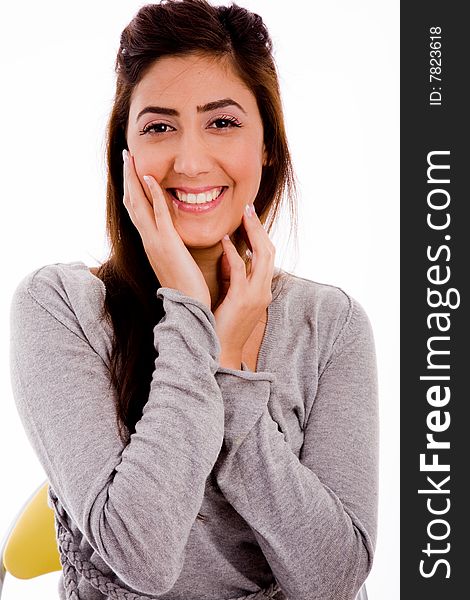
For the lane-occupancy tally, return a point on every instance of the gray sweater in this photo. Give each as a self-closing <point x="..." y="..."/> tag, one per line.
<point x="281" y="463"/>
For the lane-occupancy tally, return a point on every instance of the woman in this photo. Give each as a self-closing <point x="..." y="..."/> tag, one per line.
<point x="207" y="423"/>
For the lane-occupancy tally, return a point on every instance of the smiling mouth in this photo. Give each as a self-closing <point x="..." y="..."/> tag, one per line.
<point x="200" y="198"/>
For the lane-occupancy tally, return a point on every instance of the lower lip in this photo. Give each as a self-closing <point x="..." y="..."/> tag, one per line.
<point x="198" y="208"/>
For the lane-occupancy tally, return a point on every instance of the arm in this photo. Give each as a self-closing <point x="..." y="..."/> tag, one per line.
<point x="314" y="518"/>
<point x="131" y="503"/>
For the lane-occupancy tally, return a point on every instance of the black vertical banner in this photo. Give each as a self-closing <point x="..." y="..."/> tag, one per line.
<point x="435" y="331"/>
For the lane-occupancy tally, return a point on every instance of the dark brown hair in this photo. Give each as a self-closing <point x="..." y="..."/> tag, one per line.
<point x="177" y="27"/>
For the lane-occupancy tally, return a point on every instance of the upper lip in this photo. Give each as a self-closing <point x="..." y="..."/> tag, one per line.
<point x="196" y="190"/>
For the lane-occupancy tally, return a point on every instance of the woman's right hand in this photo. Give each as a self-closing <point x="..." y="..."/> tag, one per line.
<point x="170" y="259"/>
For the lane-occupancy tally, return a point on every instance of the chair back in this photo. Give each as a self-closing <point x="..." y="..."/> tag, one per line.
<point x="30" y="546"/>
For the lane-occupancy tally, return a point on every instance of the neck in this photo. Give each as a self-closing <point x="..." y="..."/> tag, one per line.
<point x="208" y="261"/>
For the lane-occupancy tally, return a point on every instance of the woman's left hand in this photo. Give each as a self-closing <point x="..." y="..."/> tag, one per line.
<point x="248" y="291"/>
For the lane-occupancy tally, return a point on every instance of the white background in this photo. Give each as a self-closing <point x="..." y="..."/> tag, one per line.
<point x="338" y="64"/>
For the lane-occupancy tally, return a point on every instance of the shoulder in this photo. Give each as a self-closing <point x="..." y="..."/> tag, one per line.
<point x="324" y="303"/>
<point x="334" y="317"/>
<point x="55" y="276"/>
<point x="67" y="291"/>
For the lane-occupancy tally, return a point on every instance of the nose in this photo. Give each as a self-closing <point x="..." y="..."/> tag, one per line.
<point x="192" y="156"/>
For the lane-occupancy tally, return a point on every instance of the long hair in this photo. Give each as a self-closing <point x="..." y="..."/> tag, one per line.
<point x="171" y="28"/>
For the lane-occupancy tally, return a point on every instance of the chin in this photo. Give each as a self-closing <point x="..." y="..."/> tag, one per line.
<point x="202" y="245"/>
<point x="200" y="240"/>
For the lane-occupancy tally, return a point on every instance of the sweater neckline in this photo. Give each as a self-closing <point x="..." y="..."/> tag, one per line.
<point x="273" y="322"/>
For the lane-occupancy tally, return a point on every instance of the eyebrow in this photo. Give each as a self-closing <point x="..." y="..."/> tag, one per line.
<point x="200" y="109"/>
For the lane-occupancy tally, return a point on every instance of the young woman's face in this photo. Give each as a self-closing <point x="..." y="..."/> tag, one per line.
<point x="196" y="128"/>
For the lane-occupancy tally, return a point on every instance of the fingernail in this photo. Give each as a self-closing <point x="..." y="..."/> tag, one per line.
<point x="248" y="210"/>
<point x="249" y="254"/>
<point x="125" y="155"/>
<point x="148" y="180"/>
<point x="226" y="237"/>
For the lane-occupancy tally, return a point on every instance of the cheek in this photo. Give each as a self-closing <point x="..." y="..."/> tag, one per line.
<point x="249" y="168"/>
<point x="146" y="164"/>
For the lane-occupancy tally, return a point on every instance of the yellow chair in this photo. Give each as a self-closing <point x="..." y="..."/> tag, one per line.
<point x="29" y="548"/>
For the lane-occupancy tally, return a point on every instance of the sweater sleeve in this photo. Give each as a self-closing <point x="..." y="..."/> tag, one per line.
<point x="314" y="517"/>
<point x="134" y="503"/>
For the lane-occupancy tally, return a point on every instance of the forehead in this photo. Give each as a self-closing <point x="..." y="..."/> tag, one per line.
<point x="178" y="81"/>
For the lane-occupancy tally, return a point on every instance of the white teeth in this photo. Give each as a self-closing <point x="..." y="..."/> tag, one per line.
<point x="200" y="198"/>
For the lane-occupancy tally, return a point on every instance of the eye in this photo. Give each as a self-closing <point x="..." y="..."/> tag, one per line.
<point x="155" y="128"/>
<point x="225" y="122"/>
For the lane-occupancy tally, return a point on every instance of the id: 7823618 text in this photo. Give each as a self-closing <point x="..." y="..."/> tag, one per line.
<point x="435" y="66"/>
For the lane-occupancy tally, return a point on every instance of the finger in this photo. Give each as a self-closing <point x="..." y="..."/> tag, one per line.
<point x="235" y="261"/>
<point x="224" y="269"/>
<point x="248" y="262"/>
<point x="126" y="196"/>
<point x="245" y="237"/>
<point x="160" y="207"/>
<point x="140" y="209"/>
<point x="124" y="178"/>
<point x="263" y="250"/>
